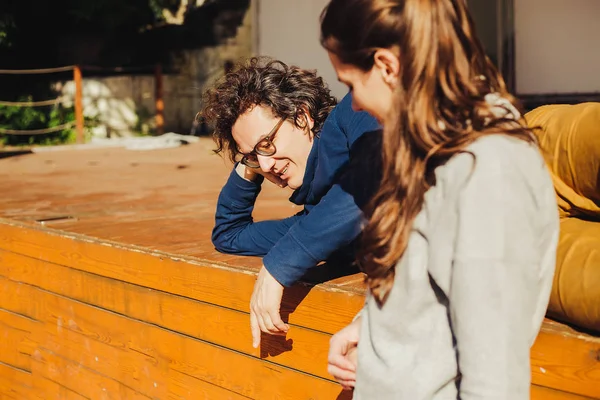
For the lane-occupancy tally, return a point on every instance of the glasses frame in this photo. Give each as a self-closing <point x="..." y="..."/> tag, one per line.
<point x="268" y="140"/>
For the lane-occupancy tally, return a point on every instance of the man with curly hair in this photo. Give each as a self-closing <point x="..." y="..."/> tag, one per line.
<point x="281" y="123"/>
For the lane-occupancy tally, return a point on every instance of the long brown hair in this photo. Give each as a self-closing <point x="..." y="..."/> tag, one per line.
<point x="440" y="107"/>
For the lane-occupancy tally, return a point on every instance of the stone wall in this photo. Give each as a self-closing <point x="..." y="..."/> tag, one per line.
<point x="125" y="105"/>
<point x="198" y="70"/>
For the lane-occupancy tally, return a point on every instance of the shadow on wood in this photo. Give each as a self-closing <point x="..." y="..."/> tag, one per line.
<point x="345" y="395"/>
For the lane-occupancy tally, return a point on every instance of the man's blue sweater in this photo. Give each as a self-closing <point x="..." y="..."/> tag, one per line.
<point x="331" y="218"/>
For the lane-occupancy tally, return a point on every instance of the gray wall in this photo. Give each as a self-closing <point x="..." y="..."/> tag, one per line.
<point x="289" y="30"/>
<point x="557" y="46"/>
<point x="485" y="15"/>
<point x="556" y="41"/>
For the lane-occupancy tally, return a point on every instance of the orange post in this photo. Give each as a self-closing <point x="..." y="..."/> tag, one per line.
<point x="78" y="103"/>
<point x="160" y="104"/>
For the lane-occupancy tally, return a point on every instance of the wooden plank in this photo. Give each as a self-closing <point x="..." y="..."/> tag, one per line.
<point x="16" y="297"/>
<point x="544" y="393"/>
<point x="183" y="387"/>
<point x="15" y="383"/>
<point x="102" y="355"/>
<point x="16" y="345"/>
<point x="323" y="308"/>
<point x="137" y="371"/>
<point x="79" y="379"/>
<point x="303" y="349"/>
<point x="49" y="390"/>
<point x="231" y="370"/>
<point x="577" y="374"/>
<point x="564" y="359"/>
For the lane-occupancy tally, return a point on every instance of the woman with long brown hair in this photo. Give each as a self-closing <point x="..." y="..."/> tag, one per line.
<point x="460" y="242"/>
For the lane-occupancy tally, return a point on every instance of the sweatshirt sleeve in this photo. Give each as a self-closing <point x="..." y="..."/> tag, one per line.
<point x="235" y="231"/>
<point x="494" y="280"/>
<point x="332" y="224"/>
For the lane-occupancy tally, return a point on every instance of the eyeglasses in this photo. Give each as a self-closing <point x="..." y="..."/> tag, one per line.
<point x="265" y="147"/>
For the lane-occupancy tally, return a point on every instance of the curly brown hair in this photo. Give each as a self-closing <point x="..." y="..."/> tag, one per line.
<point x="289" y="92"/>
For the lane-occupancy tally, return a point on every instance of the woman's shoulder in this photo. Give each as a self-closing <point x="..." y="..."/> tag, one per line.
<point x="500" y="146"/>
<point x="495" y="150"/>
<point x="494" y="157"/>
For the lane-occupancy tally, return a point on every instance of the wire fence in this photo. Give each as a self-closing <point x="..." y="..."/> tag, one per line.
<point x="29" y="132"/>
<point x="50" y="102"/>
<point x="37" y="71"/>
<point x="77" y="99"/>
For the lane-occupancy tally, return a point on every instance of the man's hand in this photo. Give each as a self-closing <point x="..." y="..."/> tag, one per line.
<point x="250" y="174"/>
<point x="342" y="355"/>
<point x="264" y="307"/>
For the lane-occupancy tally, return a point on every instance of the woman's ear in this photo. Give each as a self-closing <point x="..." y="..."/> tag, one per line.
<point x="388" y="64"/>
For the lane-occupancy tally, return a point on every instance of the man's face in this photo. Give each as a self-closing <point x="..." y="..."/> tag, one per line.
<point x="292" y="144"/>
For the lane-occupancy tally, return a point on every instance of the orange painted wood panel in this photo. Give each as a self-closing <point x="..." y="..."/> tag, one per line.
<point x="567" y="360"/>
<point x="135" y="370"/>
<point x="16" y="384"/>
<point x="303" y="349"/>
<point x="234" y="371"/>
<point x="81" y="380"/>
<point x="566" y="357"/>
<point x="48" y="390"/>
<point x="544" y="393"/>
<point x="16" y="297"/>
<point x="183" y="387"/>
<point x="324" y="308"/>
<point x="16" y="345"/>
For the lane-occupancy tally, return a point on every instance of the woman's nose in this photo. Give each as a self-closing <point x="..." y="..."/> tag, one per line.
<point x="266" y="163"/>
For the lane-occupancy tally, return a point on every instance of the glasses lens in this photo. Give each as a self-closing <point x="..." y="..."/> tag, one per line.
<point x="265" y="148"/>
<point x="250" y="161"/>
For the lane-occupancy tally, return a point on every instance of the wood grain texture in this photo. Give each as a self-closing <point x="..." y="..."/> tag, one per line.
<point x="303" y="349"/>
<point x="544" y="393"/>
<point x="16" y="384"/>
<point x="324" y="307"/>
<point x="128" y="299"/>
<point x="565" y="359"/>
<point x="125" y="358"/>
<point x="16" y="345"/>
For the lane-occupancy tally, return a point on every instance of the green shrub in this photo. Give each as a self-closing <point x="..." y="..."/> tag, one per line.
<point x="31" y="118"/>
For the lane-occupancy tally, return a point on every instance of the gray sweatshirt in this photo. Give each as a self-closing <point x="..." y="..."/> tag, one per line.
<point x="471" y="290"/>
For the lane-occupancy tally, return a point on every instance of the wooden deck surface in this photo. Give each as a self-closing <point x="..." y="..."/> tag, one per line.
<point x="111" y="288"/>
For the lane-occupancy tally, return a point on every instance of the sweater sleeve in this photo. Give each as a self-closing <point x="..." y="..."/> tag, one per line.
<point x="332" y="224"/>
<point x="235" y="231"/>
<point x="494" y="280"/>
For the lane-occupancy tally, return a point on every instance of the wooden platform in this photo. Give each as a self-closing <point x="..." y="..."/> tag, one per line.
<point x="111" y="289"/>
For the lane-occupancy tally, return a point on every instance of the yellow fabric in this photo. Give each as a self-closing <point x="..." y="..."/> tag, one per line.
<point x="569" y="136"/>
<point x="575" y="293"/>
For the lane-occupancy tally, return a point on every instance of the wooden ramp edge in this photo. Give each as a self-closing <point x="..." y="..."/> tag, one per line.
<point x="84" y="318"/>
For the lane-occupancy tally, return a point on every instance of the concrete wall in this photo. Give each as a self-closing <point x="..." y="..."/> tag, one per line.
<point x="289" y="30"/>
<point x="557" y="46"/>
